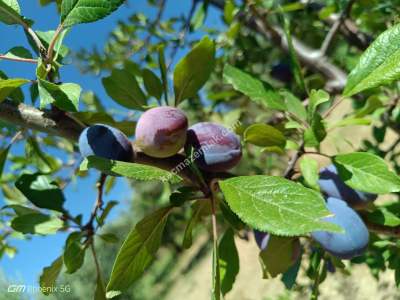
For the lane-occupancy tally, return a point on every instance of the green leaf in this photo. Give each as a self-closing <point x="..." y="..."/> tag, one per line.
<point x="199" y="209"/>
<point x="18" y="52"/>
<point x="45" y="37"/>
<point x="49" y="276"/>
<point x="44" y="162"/>
<point x="298" y="75"/>
<point x="86" y="11"/>
<point x="383" y="216"/>
<point x="228" y="261"/>
<point x="278" y="256"/>
<point x="378" y="65"/>
<point x="216" y="276"/>
<point x="351" y="121"/>
<point x="317" y="97"/>
<point x="366" y="172"/>
<point x="163" y="71"/>
<point x="109" y="238"/>
<point x="74" y="253"/>
<point x="7" y="86"/>
<point x="137" y="251"/>
<point x="124" y="89"/>
<point x="264" y="135"/>
<point x="100" y="292"/>
<point x="3" y="158"/>
<point x="10" y="12"/>
<point x="290" y="276"/>
<point x="199" y="16"/>
<point x="37" y="223"/>
<point x="294" y="105"/>
<point x="193" y="71"/>
<point x="258" y="91"/>
<point x="21" y="210"/>
<point x="152" y="84"/>
<point x="316" y="133"/>
<point x="373" y="103"/>
<point x="309" y="170"/>
<point x="106" y="211"/>
<point x="130" y="170"/>
<point x="276" y="205"/>
<point x="65" y="96"/>
<point x="41" y="191"/>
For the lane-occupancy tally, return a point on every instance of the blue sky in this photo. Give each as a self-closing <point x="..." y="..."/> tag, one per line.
<point x="38" y="252"/>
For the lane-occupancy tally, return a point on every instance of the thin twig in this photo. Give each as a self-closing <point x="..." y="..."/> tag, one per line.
<point x="292" y="163"/>
<point x="154" y="24"/>
<point x="213" y="188"/>
<point x="315" y="290"/>
<point x="50" y="51"/>
<point x="318" y="153"/>
<point x="16" y="136"/>
<point x="332" y="108"/>
<point x="335" y="27"/>
<point x="27" y="28"/>
<point x="99" y="201"/>
<point x="182" y="34"/>
<point x="97" y="264"/>
<point x="18" y="59"/>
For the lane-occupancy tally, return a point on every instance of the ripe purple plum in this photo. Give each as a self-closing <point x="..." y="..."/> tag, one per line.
<point x="217" y="149"/>
<point x="161" y="131"/>
<point x="105" y="141"/>
<point x="332" y="186"/>
<point x="353" y="242"/>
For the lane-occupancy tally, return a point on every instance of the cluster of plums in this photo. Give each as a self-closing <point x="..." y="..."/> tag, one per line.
<point x="354" y="241"/>
<point x="162" y="132"/>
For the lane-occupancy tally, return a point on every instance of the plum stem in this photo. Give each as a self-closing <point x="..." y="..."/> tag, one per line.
<point x="292" y="163"/>
<point x="97" y="264"/>
<point x="99" y="200"/>
<point x="315" y="290"/>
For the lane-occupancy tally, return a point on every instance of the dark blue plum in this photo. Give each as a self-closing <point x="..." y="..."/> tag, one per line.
<point x="105" y="141"/>
<point x="217" y="149"/>
<point x="282" y="72"/>
<point x="332" y="186"/>
<point x="262" y="239"/>
<point x="353" y="242"/>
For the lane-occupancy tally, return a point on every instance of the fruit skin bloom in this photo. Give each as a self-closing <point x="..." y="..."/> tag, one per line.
<point x="354" y="241"/>
<point x="105" y="141"/>
<point x="161" y="131"/>
<point x="219" y="148"/>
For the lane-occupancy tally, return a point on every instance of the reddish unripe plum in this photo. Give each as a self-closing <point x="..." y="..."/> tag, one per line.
<point x="217" y="149"/>
<point x="161" y="131"/>
<point x="353" y="242"/>
<point x="332" y="186"/>
<point x="105" y="141"/>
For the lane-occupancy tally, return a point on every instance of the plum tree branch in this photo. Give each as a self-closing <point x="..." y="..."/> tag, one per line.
<point x="18" y="59"/>
<point x="336" y="26"/>
<point x="51" y="122"/>
<point x="312" y="58"/>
